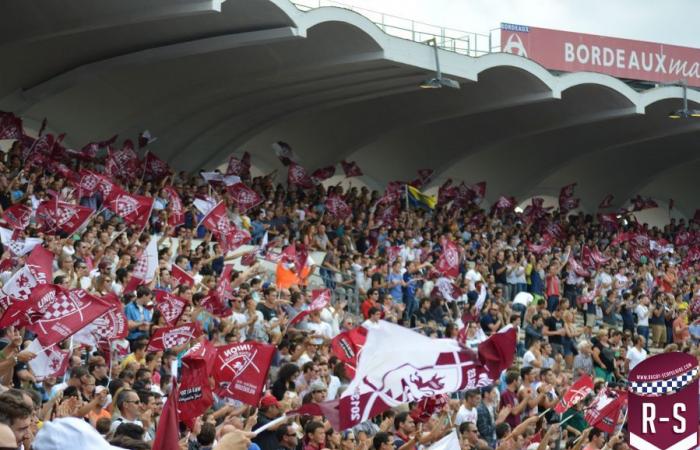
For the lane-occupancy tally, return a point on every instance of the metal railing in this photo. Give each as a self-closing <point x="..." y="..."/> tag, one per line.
<point x="450" y="39"/>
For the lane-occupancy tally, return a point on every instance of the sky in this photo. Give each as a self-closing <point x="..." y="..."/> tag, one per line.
<point x="664" y="21"/>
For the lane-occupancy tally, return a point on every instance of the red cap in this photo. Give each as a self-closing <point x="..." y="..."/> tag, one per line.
<point x="269" y="400"/>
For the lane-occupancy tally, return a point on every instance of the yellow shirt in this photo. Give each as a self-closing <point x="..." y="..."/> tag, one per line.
<point x="131" y="358"/>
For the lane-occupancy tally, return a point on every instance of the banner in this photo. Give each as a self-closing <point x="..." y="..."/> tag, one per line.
<point x="621" y="58"/>
<point x="241" y="369"/>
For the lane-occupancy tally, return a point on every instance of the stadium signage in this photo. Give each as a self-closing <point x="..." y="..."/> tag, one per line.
<point x="621" y="58"/>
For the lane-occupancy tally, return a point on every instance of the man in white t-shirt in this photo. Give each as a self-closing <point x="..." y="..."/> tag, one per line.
<point x="467" y="410"/>
<point x="319" y="328"/>
<point x="636" y="354"/>
<point x="473" y="276"/>
<point x="642" y="312"/>
<point x="533" y="356"/>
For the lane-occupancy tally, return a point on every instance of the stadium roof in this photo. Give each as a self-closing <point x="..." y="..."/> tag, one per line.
<point x="209" y="78"/>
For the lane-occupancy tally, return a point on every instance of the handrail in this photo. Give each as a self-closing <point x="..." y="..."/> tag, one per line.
<point x="450" y="39"/>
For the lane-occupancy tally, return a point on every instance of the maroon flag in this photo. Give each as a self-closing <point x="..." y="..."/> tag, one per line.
<point x="296" y="254"/>
<point x="176" y="209"/>
<point x="241" y="369"/>
<point x="424" y="176"/>
<point x="64" y="171"/>
<point x="425" y="408"/>
<point x="322" y="174"/>
<point x="40" y="151"/>
<point x="567" y="191"/>
<point x="337" y="207"/>
<point x="347" y="345"/>
<point x="586" y="258"/>
<point x="169" y="337"/>
<point x="606" y="202"/>
<point x="239" y="167"/>
<point x="496" y="352"/>
<point x="478" y="193"/>
<point x="216" y="220"/>
<point x="544" y="246"/>
<point x="134" y="209"/>
<point x="320" y="298"/>
<point x="503" y="204"/>
<point x="285" y="153"/>
<point x="170" y="306"/>
<point x="17" y="216"/>
<point x="610" y="220"/>
<point x="604" y="412"/>
<point x="181" y="276"/>
<point x="566" y="200"/>
<point x="87" y="183"/>
<point x="215" y="305"/>
<point x="244" y="197"/>
<point x="388" y="214"/>
<point x="577" y="268"/>
<point x="297" y="176"/>
<point x="154" y="167"/>
<point x="110" y="326"/>
<point x="37" y="270"/>
<point x="448" y="262"/>
<point x="57" y="216"/>
<point x="639" y="203"/>
<point x="122" y="163"/>
<point x="55" y="313"/>
<point x="108" y="189"/>
<point x="10" y="126"/>
<point x="168" y="430"/>
<point x="577" y="392"/>
<point x="223" y="286"/>
<point x="446" y="289"/>
<point x="351" y="169"/>
<point x="194" y="393"/>
<point x="447" y="192"/>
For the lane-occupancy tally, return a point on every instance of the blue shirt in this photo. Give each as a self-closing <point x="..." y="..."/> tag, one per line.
<point x="411" y="285"/>
<point x="137" y="313"/>
<point x="396" y="291"/>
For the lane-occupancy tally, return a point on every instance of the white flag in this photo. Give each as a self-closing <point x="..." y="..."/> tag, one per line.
<point x="449" y="442"/>
<point x="19" y="247"/>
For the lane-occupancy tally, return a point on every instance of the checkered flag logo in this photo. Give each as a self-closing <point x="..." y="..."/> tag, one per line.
<point x="126" y="205"/>
<point x="664" y="387"/>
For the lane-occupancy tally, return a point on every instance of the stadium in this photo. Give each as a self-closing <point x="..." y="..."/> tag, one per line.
<point x="210" y="238"/>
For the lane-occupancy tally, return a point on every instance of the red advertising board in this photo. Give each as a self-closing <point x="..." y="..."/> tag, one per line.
<point x="621" y="58"/>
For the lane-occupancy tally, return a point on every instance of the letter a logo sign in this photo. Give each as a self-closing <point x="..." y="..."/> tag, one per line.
<point x="663" y="403"/>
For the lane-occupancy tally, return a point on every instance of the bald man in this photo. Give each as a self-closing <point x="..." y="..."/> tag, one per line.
<point x="7" y="437"/>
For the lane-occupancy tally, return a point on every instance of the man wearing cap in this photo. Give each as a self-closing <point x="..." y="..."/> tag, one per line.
<point x="318" y="391"/>
<point x="269" y="411"/>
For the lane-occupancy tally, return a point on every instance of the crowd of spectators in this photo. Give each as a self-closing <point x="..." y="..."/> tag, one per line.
<point x="601" y="324"/>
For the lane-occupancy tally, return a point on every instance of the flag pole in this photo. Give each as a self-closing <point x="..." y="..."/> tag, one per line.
<point x="405" y="186"/>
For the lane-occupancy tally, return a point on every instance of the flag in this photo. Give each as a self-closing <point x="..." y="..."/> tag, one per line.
<point x="639" y="203"/>
<point x="169" y="337"/>
<point x="122" y="163"/>
<point x="503" y="204"/>
<point x="449" y="442"/>
<point x="170" y="306"/>
<point x="337" y="207"/>
<point x="446" y="192"/>
<point x="388" y="214"/>
<point x="87" y="183"/>
<point x="297" y="176"/>
<point x="671" y="205"/>
<point x="134" y="209"/>
<point x="544" y="246"/>
<point x="244" y="197"/>
<point x="154" y="167"/>
<point x="37" y="270"/>
<point x="241" y="370"/>
<point x="446" y="289"/>
<point x="176" y="209"/>
<point x="448" y="262"/>
<point x="392" y="193"/>
<point x="577" y="392"/>
<point x="17" y="246"/>
<point x="418" y="199"/>
<point x="217" y="300"/>
<point x="168" y="429"/>
<point x="239" y="167"/>
<point x="604" y="411"/>
<point x="50" y="361"/>
<point x="216" y="219"/>
<point x="322" y="174"/>
<point x="54" y="313"/>
<point x="296" y="254"/>
<point x="496" y="352"/>
<point x="215" y="305"/>
<point x="181" y="276"/>
<point x="205" y="204"/>
<point x="320" y="298"/>
<point x="17" y="216"/>
<point x="146" y="266"/>
<point x="577" y="267"/>
<point x="285" y="153"/>
<point x="194" y="395"/>
<point x="351" y="169"/>
<point x="109" y="327"/>
<point x="606" y="202"/>
<point x="424" y="176"/>
<point x="392" y="253"/>
<point x="145" y="138"/>
<point x="10" y="126"/>
<point x="347" y="345"/>
<point x="56" y="216"/>
<point x="399" y="366"/>
<point x="478" y="192"/>
<point x="425" y="408"/>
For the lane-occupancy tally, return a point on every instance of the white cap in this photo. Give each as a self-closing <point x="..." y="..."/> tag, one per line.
<point x="70" y="431"/>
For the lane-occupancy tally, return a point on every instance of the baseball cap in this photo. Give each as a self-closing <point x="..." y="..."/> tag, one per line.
<point x="54" y="435"/>
<point x="269" y="400"/>
<point x="317" y="385"/>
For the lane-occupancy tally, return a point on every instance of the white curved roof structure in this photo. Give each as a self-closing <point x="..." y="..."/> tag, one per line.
<point x="209" y="78"/>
